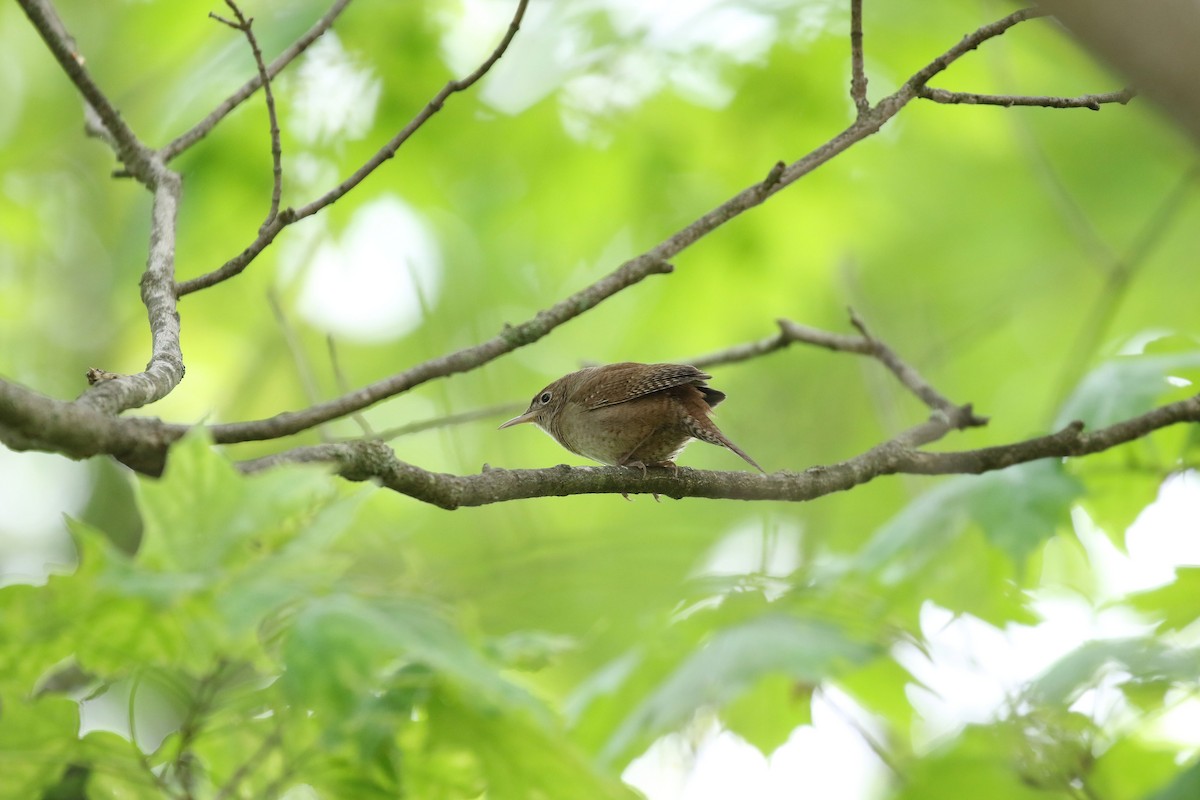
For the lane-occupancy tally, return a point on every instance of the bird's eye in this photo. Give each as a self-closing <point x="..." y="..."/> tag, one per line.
<point x="545" y="398"/>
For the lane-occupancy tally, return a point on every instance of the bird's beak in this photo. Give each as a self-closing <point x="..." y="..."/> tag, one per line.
<point x="528" y="416"/>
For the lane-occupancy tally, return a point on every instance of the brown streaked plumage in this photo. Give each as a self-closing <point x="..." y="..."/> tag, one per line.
<point x="628" y="414"/>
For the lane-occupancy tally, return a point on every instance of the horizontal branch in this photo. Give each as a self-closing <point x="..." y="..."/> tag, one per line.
<point x="1092" y="101"/>
<point x="374" y="461"/>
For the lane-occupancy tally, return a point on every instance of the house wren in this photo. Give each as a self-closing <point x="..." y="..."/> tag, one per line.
<point x="632" y="415"/>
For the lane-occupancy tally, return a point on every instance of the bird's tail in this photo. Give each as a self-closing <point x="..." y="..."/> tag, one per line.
<point x="712" y="434"/>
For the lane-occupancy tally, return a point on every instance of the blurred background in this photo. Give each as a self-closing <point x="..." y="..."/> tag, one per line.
<point x="1039" y="263"/>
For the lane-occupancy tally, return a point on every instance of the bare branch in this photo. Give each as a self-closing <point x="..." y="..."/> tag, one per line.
<point x="496" y="411"/>
<point x="791" y="332"/>
<point x="268" y="232"/>
<point x="1092" y="101"/>
<point x="374" y="461"/>
<point x="132" y="153"/>
<point x="165" y="369"/>
<point x="202" y="128"/>
<point x="244" y="25"/>
<point x="344" y="386"/>
<point x="304" y="372"/>
<point x="858" y="80"/>
<point x="30" y="420"/>
<point x="969" y="42"/>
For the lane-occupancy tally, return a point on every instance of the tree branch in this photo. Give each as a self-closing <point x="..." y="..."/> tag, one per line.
<point x="858" y="79"/>
<point x="243" y="25"/>
<point x="165" y="369"/>
<point x="374" y="461"/>
<point x="1092" y="101"/>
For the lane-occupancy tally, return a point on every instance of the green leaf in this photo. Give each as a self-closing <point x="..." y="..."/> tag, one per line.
<point x="1017" y="508"/>
<point x="1131" y="769"/>
<point x="979" y="764"/>
<point x="38" y="739"/>
<point x="1184" y="787"/>
<point x="802" y="650"/>
<point x="881" y="687"/>
<point x="1021" y="507"/>
<point x="519" y="758"/>
<point x="340" y="649"/>
<point x="202" y="509"/>
<point x="1116" y="491"/>
<point x="1175" y="605"/>
<point x="1125" y="387"/>
<point x="766" y="715"/>
<point x="1145" y="659"/>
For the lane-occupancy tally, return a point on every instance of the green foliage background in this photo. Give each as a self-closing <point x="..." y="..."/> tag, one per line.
<point x="290" y="629"/>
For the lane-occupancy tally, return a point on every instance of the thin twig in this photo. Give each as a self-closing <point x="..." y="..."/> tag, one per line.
<point x="303" y="369"/>
<point x="858" y="80"/>
<point x="446" y="421"/>
<point x="244" y="25"/>
<point x="1120" y="276"/>
<point x="344" y="385"/>
<point x="267" y="234"/>
<point x="1092" y="101"/>
<point x="204" y="126"/>
<point x="957" y="416"/>
<point x="968" y="43"/>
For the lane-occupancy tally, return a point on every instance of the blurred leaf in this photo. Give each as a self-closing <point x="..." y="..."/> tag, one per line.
<point x="1125" y="387"/>
<point x="1175" y="605"/>
<point x="1184" y="787"/>
<point x="520" y="758"/>
<point x="1018" y="508"/>
<point x="1142" y="659"/>
<point x="802" y="650"/>
<point x="340" y="647"/>
<point x="1021" y="507"/>
<point x="766" y="715"/>
<point x="881" y="687"/>
<point x="37" y="742"/>
<point x="980" y="763"/>
<point x="1131" y="770"/>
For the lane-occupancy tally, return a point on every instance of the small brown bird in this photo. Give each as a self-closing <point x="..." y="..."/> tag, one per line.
<point x="631" y="415"/>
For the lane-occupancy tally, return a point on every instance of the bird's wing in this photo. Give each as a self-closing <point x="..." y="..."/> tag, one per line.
<point x="629" y="381"/>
